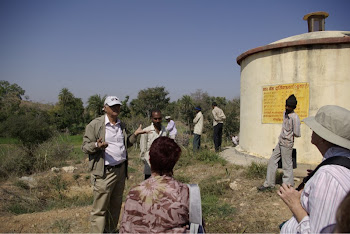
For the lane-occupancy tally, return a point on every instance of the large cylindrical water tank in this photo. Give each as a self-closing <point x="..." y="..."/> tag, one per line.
<point x="315" y="65"/>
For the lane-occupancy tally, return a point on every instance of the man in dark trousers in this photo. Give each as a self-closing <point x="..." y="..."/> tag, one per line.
<point x="218" y="123"/>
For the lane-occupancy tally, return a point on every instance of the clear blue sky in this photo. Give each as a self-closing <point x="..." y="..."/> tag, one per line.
<point x="120" y="47"/>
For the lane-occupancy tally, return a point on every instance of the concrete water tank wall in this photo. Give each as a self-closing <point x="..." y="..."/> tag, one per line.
<point x="321" y="59"/>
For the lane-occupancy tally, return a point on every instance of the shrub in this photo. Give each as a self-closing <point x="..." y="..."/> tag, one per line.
<point x="16" y="160"/>
<point x="183" y="179"/>
<point x="62" y="225"/>
<point x="59" y="185"/>
<point x="211" y="191"/>
<point x="52" y="153"/>
<point x="30" y="127"/>
<point x="209" y="186"/>
<point x="256" y="171"/>
<point x="210" y="157"/>
<point x="183" y="139"/>
<point x="22" y="184"/>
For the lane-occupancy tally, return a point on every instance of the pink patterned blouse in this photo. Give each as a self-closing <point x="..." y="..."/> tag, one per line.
<point x="158" y="204"/>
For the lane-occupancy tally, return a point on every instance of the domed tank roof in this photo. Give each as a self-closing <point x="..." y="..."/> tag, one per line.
<point x="314" y="35"/>
<point x="311" y="38"/>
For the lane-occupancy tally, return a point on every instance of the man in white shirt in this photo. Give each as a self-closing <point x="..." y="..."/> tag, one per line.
<point x="218" y="123"/>
<point x="154" y="131"/>
<point x="198" y="128"/>
<point x="171" y="127"/>
<point x="105" y="141"/>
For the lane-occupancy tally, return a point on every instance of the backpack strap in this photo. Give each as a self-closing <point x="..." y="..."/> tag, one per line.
<point x="195" y="207"/>
<point x="336" y="160"/>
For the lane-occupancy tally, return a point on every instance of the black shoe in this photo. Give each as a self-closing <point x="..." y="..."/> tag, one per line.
<point x="262" y="188"/>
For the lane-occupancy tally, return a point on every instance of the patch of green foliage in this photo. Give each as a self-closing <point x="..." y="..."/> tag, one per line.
<point x="17" y="161"/>
<point x="62" y="225"/>
<point x="208" y="156"/>
<point x="131" y="170"/>
<point x="76" y="140"/>
<point x="188" y="157"/>
<point x="24" y="208"/>
<point x="212" y="206"/>
<point x="9" y="140"/>
<point x="256" y="171"/>
<point x="183" y="179"/>
<point x="21" y="184"/>
<point x="67" y="202"/>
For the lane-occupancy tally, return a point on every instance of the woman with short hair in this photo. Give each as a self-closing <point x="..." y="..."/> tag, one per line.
<point x="160" y="203"/>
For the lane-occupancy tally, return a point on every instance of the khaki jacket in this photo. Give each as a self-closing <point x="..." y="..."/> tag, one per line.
<point x="97" y="129"/>
<point x="198" y="121"/>
<point x="218" y="116"/>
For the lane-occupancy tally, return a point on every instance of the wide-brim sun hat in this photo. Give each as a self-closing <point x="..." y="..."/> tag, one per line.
<point x="331" y="123"/>
<point x="112" y="100"/>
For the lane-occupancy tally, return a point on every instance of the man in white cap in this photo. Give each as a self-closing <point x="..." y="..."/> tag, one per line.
<point x="105" y="141"/>
<point x="284" y="148"/>
<point x="171" y="127"/>
<point x="314" y="203"/>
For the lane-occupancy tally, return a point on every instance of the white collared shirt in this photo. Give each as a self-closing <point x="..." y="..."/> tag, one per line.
<point x="115" y="153"/>
<point x="147" y="139"/>
<point x="322" y="195"/>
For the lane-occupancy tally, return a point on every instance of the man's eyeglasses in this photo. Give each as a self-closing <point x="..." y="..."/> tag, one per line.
<point x="157" y="118"/>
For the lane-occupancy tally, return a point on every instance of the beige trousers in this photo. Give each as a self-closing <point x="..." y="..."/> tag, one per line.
<point x="285" y="154"/>
<point x="108" y="195"/>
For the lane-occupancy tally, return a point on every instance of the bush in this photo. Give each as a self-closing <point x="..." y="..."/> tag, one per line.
<point x="256" y="171"/>
<point x="30" y="127"/>
<point x="210" y="157"/>
<point x="17" y="161"/>
<point x="14" y="161"/>
<point x="211" y="191"/>
<point x="52" y="153"/>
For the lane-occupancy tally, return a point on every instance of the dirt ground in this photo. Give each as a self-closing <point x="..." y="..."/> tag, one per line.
<point x="255" y="211"/>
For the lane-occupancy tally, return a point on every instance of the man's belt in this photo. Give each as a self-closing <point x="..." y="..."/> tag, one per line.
<point x="114" y="166"/>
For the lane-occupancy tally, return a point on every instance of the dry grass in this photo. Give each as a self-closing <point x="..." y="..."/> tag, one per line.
<point x="226" y="208"/>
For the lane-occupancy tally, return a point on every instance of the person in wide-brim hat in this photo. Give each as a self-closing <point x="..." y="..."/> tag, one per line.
<point x="332" y="123"/>
<point x="314" y="207"/>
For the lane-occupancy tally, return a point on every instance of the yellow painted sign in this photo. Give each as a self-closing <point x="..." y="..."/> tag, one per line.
<point x="274" y="101"/>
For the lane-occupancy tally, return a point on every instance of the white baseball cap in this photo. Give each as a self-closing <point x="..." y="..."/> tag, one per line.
<point x="112" y="100"/>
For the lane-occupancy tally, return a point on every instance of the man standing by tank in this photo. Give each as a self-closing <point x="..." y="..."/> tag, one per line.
<point x="155" y="130"/>
<point x="284" y="147"/>
<point x="218" y="123"/>
<point x="105" y="141"/>
<point x="198" y="128"/>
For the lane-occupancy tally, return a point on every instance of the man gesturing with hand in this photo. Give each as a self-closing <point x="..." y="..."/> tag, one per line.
<point x="105" y="141"/>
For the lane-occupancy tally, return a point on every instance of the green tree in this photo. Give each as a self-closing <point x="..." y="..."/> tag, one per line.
<point x="148" y="99"/>
<point x="69" y="112"/>
<point x="186" y="109"/>
<point x="7" y="88"/>
<point x="30" y="125"/>
<point x="95" y="105"/>
<point x="10" y="99"/>
<point x="125" y="111"/>
<point x="232" y="110"/>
